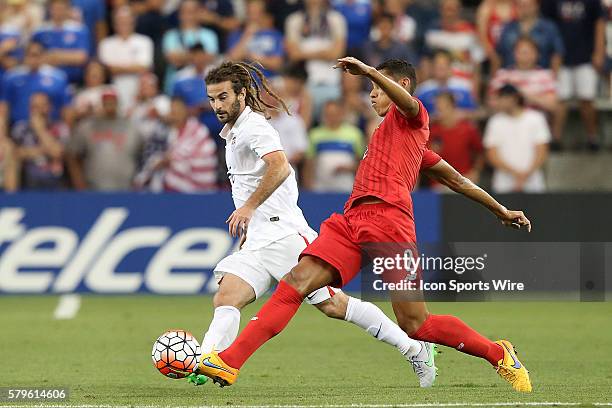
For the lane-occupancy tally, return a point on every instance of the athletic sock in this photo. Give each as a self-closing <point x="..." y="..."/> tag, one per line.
<point x="452" y="332"/>
<point x="271" y="319"/>
<point x="373" y="320"/>
<point x="223" y="329"/>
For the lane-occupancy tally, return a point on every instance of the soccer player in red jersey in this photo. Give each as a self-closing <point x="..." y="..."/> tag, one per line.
<point x="379" y="210"/>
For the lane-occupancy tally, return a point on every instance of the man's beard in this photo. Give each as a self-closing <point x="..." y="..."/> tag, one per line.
<point x="233" y="114"/>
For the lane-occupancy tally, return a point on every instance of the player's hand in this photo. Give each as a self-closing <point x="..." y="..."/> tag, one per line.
<point x="239" y="221"/>
<point x="515" y="219"/>
<point x="353" y="66"/>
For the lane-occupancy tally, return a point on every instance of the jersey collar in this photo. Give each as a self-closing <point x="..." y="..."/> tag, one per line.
<point x="227" y="131"/>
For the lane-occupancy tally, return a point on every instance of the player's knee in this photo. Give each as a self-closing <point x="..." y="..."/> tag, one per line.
<point x="333" y="307"/>
<point x="298" y="278"/>
<point x="224" y="298"/>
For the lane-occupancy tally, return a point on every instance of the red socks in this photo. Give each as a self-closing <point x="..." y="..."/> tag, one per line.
<point x="271" y="320"/>
<point x="452" y="332"/>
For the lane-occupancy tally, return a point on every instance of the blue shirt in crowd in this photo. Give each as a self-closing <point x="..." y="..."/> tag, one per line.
<point x="92" y="12"/>
<point x="358" y="15"/>
<point x="544" y="33"/>
<point x="8" y="33"/>
<point x="19" y="84"/>
<point x="190" y="87"/>
<point x="71" y="36"/>
<point x="268" y="43"/>
<point x="177" y="40"/>
<point x="460" y="88"/>
<point x="576" y="21"/>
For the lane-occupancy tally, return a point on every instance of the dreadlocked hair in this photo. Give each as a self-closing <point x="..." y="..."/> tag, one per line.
<point x="250" y="77"/>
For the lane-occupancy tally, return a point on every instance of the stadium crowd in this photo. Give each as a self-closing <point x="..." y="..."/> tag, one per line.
<point x="109" y="95"/>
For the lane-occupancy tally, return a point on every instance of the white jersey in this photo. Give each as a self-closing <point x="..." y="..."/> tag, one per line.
<point x="251" y="138"/>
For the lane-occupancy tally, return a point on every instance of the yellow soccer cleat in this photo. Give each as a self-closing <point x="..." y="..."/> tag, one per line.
<point x="511" y="369"/>
<point x="213" y="367"/>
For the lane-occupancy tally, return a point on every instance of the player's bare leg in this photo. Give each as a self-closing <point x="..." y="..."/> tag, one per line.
<point x="451" y="331"/>
<point x="374" y="321"/>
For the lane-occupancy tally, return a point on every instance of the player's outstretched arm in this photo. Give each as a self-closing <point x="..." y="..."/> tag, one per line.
<point x="397" y="93"/>
<point x="277" y="170"/>
<point x="444" y="173"/>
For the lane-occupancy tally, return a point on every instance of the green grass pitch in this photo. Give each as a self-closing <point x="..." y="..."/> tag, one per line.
<point x="103" y="355"/>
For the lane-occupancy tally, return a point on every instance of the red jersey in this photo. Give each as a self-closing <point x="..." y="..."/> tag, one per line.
<point x="459" y="144"/>
<point x="430" y="159"/>
<point x="391" y="163"/>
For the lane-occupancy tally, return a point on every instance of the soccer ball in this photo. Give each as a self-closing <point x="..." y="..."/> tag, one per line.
<point x="175" y="353"/>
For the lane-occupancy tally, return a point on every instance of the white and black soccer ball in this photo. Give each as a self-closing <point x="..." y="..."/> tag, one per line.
<point x="175" y="353"/>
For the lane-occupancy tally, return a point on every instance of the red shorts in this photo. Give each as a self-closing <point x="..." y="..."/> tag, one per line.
<point x="367" y="228"/>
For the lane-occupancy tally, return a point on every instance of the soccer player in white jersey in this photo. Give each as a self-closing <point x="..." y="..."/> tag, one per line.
<point x="272" y="227"/>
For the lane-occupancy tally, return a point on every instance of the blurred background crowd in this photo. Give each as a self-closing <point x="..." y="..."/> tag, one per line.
<point x="109" y="95"/>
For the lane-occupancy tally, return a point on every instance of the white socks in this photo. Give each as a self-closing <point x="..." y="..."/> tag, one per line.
<point x="223" y="329"/>
<point x="370" y="318"/>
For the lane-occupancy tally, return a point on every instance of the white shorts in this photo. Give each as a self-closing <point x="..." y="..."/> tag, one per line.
<point x="579" y="81"/>
<point x="260" y="268"/>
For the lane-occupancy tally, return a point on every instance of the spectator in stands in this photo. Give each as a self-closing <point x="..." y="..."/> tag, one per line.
<point x="296" y="94"/>
<point x="24" y="16"/>
<point x="92" y="13"/>
<point x="127" y="55"/>
<point x="356" y="101"/>
<point x="281" y="9"/>
<point x="258" y="40"/>
<point x="358" y="17"/>
<point x="191" y="160"/>
<point x="457" y="36"/>
<point x="293" y="135"/>
<point x="88" y="101"/>
<point x="516" y="141"/>
<point x="9" y="171"/>
<point x="334" y="152"/>
<point x="456" y="139"/>
<point x="404" y="25"/>
<point x="20" y="83"/>
<point x="190" y="87"/>
<point x="151" y="117"/>
<point x="11" y="48"/>
<point x="152" y="23"/>
<point x="491" y="17"/>
<point x="444" y="80"/>
<point x="386" y="46"/>
<point x="317" y="36"/>
<point x="103" y="153"/>
<point x="40" y="145"/>
<point x="219" y="15"/>
<point x="66" y="41"/>
<point x="582" y="26"/>
<point x="176" y="43"/>
<point x="537" y="85"/>
<point x="541" y="30"/>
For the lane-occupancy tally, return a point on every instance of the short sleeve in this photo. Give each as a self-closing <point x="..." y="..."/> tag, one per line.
<point x="170" y="42"/>
<point x="430" y="159"/>
<point x="492" y="134"/>
<point x="338" y="25"/>
<point x="541" y="131"/>
<point x="77" y="143"/>
<point x="265" y="140"/>
<point x="83" y="40"/>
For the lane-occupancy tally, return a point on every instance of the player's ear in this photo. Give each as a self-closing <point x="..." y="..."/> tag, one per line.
<point x="405" y="83"/>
